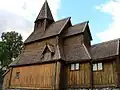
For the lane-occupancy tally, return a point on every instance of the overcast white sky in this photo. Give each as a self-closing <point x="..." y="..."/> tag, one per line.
<point x="19" y="15"/>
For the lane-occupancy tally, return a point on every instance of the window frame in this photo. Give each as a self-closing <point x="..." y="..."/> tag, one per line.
<point x="17" y="75"/>
<point x="78" y="66"/>
<point x="74" y="66"/>
<point x="98" y="67"/>
<point x="95" y="64"/>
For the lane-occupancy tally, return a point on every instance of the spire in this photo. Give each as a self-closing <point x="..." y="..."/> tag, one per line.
<point x="45" y="13"/>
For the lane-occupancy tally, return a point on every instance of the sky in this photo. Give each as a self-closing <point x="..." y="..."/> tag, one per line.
<point x="103" y="16"/>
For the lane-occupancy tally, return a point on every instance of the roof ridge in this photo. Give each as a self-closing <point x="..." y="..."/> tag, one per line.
<point x="67" y="19"/>
<point x="80" y="23"/>
<point x="106" y="41"/>
<point x="86" y="23"/>
<point x="62" y="19"/>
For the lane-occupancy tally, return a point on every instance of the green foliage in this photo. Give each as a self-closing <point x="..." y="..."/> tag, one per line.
<point x="10" y="47"/>
<point x="4" y="54"/>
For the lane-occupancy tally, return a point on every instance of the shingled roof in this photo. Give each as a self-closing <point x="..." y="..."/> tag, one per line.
<point x="52" y="30"/>
<point x="45" y="12"/>
<point x="80" y="52"/>
<point x="76" y="29"/>
<point x="71" y="53"/>
<point x="105" y="49"/>
<point x="76" y="53"/>
<point x="34" y="57"/>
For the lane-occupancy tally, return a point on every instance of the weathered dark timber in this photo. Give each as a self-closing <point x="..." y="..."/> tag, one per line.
<point x="45" y="63"/>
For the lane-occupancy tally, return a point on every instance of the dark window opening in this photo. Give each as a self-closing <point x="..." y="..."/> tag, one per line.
<point x="17" y="75"/>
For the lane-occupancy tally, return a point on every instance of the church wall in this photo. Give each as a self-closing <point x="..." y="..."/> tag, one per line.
<point x="37" y="48"/>
<point x="6" y="81"/>
<point x="73" y="40"/>
<point x="40" y="44"/>
<point x="87" y="40"/>
<point x="106" y="77"/>
<point x="79" y="78"/>
<point x="35" y="76"/>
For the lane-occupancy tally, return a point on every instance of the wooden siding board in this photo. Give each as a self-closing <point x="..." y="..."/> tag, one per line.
<point x="38" y="76"/>
<point x="106" y="76"/>
<point x="79" y="78"/>
<point x="6" y="81"/>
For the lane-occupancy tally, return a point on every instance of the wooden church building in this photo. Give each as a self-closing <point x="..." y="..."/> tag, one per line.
<point x="59" y="56"/>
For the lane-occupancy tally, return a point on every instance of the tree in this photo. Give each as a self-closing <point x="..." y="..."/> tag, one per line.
<point x="4" y="55"/>
<point x="11" y="46"/>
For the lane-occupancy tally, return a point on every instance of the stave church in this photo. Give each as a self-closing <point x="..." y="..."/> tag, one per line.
<point x="58" y="55"/>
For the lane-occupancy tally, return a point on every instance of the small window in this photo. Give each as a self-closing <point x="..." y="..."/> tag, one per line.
<point x="17" y="75"/>
<point x="97" y="66"/>
<point x="100" y="67"/>
<point x="94" y="67"/>
<point x="72" y="67"/>
<point x="75" y="66"/>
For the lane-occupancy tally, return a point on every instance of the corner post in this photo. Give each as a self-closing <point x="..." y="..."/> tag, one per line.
<point x="117" y="71"/>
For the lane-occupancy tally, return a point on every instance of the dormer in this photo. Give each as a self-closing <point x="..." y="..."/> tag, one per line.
<point x="48" y="52"/>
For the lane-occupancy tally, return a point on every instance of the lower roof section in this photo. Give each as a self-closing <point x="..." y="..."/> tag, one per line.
<point x="74" y="53"/>
<point x="105" y="49"/>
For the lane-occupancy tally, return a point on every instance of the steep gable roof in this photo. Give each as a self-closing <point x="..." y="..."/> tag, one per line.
<point x="75" y="29"/>
<point x="52" y="30"/>
<point x="29" y="57"/>
<point x="45" y="12"/>
<point x="105" y="49"/>
<point x="71" y="53"/>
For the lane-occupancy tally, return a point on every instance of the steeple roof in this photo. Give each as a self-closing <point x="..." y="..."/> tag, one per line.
<point x="45" y="12"/>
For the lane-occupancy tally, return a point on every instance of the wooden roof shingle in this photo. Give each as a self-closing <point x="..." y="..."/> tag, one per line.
<point x="76" y="53"/>
<point x="52" y="30"/>
<point x="72" y="53"/>
<point x="75" y="29"/>
<point x="105" y="49"/>
<point x="45" y="12"/>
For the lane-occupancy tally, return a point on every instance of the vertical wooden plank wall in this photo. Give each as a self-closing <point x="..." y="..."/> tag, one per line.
<point x="6" y="81"/>
<point x="105" y="77"/>
<point x="36" y="76"/>
<point x="79" y="78"/>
